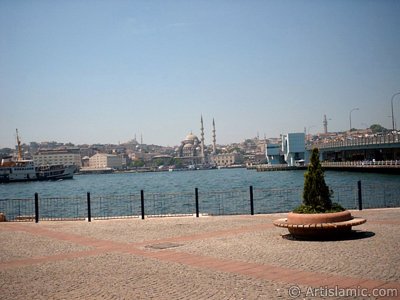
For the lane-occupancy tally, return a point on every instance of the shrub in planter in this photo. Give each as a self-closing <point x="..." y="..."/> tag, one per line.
<point x="316" y="194"/>
<point x="318" y="217"/>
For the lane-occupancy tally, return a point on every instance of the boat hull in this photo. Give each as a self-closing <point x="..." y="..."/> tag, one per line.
<point x="43" y="173"/>
<point x="56" y="172"/>
<point x="16" y="171"/>
<point x="25" y="170"/>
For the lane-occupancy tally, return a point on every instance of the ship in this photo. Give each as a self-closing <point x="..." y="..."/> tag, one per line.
<point x="55" y="172"/>
<point x="17" y="170"/>
<point x="25" y="170"/>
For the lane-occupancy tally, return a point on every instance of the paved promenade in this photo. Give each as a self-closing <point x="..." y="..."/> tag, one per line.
<point x="229" y="257"/>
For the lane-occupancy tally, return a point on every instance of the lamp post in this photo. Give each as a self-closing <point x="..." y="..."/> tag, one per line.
<point x="350" y="115"/>
<point x="394" y="95"/>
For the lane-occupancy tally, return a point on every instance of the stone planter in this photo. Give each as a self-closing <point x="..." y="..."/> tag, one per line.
<point x="319" y="225"/>
<point x="2" y="217"/>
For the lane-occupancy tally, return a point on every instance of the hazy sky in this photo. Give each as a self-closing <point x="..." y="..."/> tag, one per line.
<point x="101" y="71"/>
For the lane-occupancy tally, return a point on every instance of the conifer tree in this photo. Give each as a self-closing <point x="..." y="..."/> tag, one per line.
<point x="316" y="193"/>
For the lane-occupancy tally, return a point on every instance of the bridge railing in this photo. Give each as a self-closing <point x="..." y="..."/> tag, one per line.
<point x="362" y="141"/>
<point x="394" y="163"/>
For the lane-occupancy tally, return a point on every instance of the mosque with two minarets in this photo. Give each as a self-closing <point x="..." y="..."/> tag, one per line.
<point x="193" y="151"/>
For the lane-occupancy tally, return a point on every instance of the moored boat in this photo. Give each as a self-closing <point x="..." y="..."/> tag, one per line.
<point x="55" y="172"/>
<point x="20" y="170"/>
<point x="25" y="169"/>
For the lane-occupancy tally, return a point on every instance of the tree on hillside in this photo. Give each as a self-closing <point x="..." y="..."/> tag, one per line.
<point x="376" y="128"/>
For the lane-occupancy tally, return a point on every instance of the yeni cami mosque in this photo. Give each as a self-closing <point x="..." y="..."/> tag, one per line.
<point x="193" y="151"/>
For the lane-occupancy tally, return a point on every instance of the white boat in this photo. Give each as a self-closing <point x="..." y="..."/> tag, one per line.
<point x="19" y="170"/>
<point x="25" y="169"/>
<point x="55" y="172"/>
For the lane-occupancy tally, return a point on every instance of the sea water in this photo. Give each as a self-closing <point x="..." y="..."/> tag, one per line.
<point x="224" y="191"/>
<point x="183" y="181"/>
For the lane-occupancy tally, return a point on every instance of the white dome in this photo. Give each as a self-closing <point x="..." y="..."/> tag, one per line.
<point x="191" y="137"/>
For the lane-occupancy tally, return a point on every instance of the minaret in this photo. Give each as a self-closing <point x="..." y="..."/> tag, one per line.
<point x="202" y="141"/>
<point x="325" y="125"/>
<point x="214" y="139"/>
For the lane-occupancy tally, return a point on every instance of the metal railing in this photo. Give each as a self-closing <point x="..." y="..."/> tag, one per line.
<point x="18" y="209"/>
<point x="114" y="206"/>
<point x="365" y="164"/>
<point x="361" y="141"/>
<point x="231" y="202"/>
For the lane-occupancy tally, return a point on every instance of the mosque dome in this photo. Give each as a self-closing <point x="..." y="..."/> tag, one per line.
<point x="191" y="137"/>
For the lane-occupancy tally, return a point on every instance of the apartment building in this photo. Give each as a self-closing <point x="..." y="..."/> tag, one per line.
<point x="69" y="156"/>
<point x="102" y="160"/>
<point x="226" y="159"/>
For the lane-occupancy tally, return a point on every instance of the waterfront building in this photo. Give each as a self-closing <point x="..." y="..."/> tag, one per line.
<point x="69" y="156"/>
<point x="102" y="161"/>
<point x="88" y="151"/>
<point x="293" y="148"/>
<point x="226" y="159"/>
<point x="85" y="162"/>
<point x="273" y="154"/>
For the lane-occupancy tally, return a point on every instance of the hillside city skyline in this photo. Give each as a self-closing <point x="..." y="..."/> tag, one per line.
<point x="139" y="140"/>
<point x="99" y="72"/>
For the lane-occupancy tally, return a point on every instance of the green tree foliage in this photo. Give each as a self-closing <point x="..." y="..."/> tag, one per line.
<point x="376" y="128"/>
<point x="138" y="163"/>
<point x="158" y="162"/>
<point x="177" y="162"/>
<point x="316" y="194"/>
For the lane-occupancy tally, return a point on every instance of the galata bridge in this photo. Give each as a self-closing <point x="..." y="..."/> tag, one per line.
<point x="380" y="153"/>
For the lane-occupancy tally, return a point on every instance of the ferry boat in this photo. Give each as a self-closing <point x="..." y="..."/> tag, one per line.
<point x="19" y="170"/>
<point x="55" y="172"/>
<point x="25" y="169"/>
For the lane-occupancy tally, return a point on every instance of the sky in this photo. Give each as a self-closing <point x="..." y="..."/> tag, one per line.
<point x="103" y="71"/>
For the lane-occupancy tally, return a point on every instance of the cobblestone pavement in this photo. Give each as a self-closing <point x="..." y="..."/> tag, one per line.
<point x="230" y="257"/>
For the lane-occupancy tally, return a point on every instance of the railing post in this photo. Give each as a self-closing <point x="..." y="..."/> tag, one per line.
<point x="251" y="201"/>
<point x="196" y="194"/>
<point x="89" y="211"/>
<point x="359" y="195"/>
<point x="36" y="208"/>
<point x="142" y="203"/>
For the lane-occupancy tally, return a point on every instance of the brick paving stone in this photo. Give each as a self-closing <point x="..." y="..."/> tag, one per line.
<point x="237" y="257"/>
